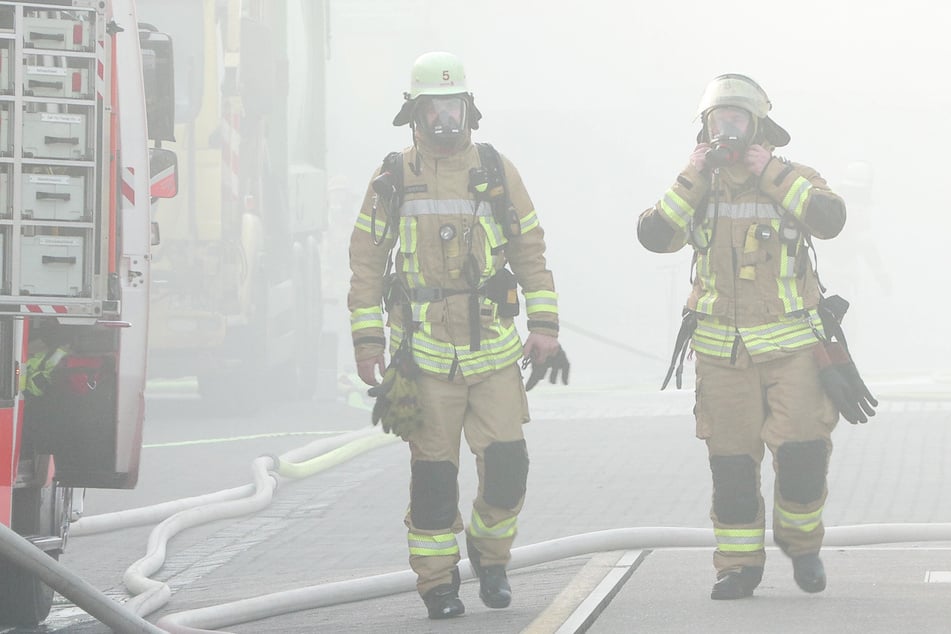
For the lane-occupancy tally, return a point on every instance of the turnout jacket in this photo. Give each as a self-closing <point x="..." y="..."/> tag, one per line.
<point x="754" y="281"/>
<point x="446" y="246"/>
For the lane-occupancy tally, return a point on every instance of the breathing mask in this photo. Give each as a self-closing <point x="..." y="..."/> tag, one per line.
<point x="442" y="119"/>
<point x="730" y="131"/>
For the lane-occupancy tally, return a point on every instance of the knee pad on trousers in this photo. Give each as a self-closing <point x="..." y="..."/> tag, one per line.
<point x="801" y="470"/>
<point x="506" y="473"/>
<point x="735" y="500"/>
<point x="434" y="501"/>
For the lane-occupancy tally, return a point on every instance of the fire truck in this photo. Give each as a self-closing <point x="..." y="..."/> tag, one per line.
<point x="236" y="289"/>
<point x="83" y="90"/>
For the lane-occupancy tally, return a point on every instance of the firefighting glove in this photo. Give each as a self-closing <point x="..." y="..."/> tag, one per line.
<point x="842" y="383"/>
<point x="558" y="362"/>
<point x="397" y="406"/>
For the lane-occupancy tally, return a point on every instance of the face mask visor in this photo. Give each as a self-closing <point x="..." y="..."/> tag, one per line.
<point x="442" y="119"/>
<point x="729" y="121"/>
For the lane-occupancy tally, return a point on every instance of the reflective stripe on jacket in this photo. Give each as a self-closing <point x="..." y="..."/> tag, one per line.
<point x="447" y="240"/>
<point x="754" y="277"/>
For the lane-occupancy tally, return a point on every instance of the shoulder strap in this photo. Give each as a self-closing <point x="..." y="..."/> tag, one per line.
<point x="388" y="186"/>
<point x="502" y="209"/>
<point x="393" y="165"/>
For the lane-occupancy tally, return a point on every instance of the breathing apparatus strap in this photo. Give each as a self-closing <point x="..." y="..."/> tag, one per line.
<point x="502" y="209"/>
<point x="687" y="326"/>
<point x="815" y="262"/>
<point x="388" y="187"/>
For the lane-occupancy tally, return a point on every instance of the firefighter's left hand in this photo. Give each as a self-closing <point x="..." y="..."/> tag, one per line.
<point x="369" y="369"/>
<point x="757" y="158"/>
<point x="539" y="348"/>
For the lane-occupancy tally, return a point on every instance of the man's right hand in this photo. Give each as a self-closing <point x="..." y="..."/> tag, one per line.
<point x="699" y="157"/>
<point x="371" y="370"/>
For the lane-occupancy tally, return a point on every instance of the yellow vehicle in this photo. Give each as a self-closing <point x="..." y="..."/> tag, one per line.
<point x="235" y="276"/>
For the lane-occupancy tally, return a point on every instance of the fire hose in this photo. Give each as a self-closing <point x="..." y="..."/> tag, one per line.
<point x="173" y="517"/>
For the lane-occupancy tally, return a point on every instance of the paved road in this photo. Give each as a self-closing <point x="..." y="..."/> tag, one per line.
<point x="601" y="459"/>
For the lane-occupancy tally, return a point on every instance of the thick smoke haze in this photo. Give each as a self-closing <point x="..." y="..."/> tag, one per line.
<point x="595" y="103"/>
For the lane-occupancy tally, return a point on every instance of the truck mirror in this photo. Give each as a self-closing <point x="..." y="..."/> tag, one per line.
<point x="163" y="173"/>
<point x="158" y="72"/>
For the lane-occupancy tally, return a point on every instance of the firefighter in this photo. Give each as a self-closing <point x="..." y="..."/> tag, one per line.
<point x="463" y="231"/>
<point x="753" y="326"/>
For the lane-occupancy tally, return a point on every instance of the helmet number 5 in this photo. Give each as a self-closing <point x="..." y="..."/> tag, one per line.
<point x="445" y="75"/>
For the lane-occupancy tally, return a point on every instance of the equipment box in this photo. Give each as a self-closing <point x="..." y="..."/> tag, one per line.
<point x="51" y="265"/>
<point x="54" y="135"/>
<point x="6" y="77"/>
<point x="6" y="196"/>
<point x="55" y="81"/>
<point x="52" y="33"/>
<point x="53" y="197"/>
<point x="6" y="134"/>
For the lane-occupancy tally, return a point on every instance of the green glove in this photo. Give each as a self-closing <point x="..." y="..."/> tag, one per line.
<point x="397" y="406"/>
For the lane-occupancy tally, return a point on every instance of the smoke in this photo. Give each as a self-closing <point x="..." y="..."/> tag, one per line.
<point x="595" y="104"/>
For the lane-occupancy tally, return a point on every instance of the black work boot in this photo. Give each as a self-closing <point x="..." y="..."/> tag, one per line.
<point x="443" y="601"/>
<point x="494" y="588"/>
<point x="737" y="584"/>
<point x="809" y="573"/>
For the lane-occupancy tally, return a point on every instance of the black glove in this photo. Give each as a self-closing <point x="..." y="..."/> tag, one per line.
<point x="842" y="383"/>
<point x="380" y="392"/>
<point x="558" y="362"/>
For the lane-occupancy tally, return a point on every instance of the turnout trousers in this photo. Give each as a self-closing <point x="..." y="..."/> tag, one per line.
<point x="741" y="408"/>
<point x="490" y="413"/>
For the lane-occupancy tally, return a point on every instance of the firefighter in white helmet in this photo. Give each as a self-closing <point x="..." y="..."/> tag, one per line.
<point x="753" y="322"/>
<point x="464" y="234"/>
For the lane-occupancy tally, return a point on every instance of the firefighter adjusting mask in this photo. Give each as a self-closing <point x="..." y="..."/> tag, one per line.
<point x="730" y="130"/>
<point x="442" y="120"/>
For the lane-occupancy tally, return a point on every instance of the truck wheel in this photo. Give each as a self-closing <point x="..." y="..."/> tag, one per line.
<point x="24" y="599"/>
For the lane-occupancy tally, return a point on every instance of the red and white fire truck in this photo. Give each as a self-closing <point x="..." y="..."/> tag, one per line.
<point x="86" y="99"/>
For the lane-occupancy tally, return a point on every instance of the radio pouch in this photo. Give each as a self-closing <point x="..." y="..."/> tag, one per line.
<point x="502" y="288"/>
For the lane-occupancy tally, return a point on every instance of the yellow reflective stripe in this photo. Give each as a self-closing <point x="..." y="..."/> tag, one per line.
<point x="804" y="522"/>
<point x="432" y="545"/>
<point x="420" y="310"/>
<point x="362" y="318"/>
<point x="708" y="282"/>
<point x="495" y="353"/>
<point x="408" y="242"/>
<point x="784" y="335"/>
<point x="787" y="288"/>
<point x="541" y="302"/>
<point x="714" y="338"/>
<point x="493" y="238"/>
<point x="711" y="341"/>
<point x="435" y="356"/>
<point x="740" y="540"/>
<point x="365" y="223"/>
<point x="528" y="222"/>
<point x="795" y="200"/>
<point x="502" y="530"/>
<point x="676" y="208"/>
